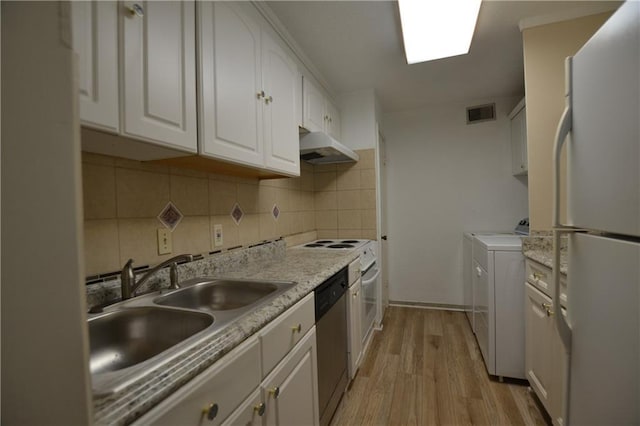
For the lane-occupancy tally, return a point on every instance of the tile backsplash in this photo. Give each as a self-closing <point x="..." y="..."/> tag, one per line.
<point x="122" y="199"/>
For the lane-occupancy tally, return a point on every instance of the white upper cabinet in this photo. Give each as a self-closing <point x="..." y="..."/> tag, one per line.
<point x="95" y="40"/>
<point x="313" y="110"/>
<point x="248" y="93"/>
<point x="280" y="77"/>
<point x="519" y="139"/>
<point x="159" y="74"/>
<point x="319" y="114"/>
<point x="230" y="84"/>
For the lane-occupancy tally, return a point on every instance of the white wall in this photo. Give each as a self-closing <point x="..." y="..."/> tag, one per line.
<point x="445" y="177"/>
<point x="45" y="373"/>
<point x="358" y="119"/>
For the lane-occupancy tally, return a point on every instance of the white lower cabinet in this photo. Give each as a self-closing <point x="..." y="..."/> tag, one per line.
<point x="354" y="313"/>
<point x="213" y="395"/>
<point x="545" y="362"/>
<point x="249" y="413"/>
<point x="291" y="390"/>
<point x="232" y="391"/>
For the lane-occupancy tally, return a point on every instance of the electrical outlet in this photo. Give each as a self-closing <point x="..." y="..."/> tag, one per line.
<point x="164" y="241"/>
<point x="217" y="235"/>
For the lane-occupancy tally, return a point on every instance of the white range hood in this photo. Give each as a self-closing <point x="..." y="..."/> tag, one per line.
<point x="320" y="148"/>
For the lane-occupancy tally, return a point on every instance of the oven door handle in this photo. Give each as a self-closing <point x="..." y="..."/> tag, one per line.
<point x="372" y="279"/>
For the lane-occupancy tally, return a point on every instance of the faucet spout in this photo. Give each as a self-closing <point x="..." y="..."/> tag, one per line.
<point x="129" y="285"/>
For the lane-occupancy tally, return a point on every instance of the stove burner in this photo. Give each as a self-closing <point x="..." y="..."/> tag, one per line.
<point x="324" y="242"/>
<point x="349" y="241"/>
<point x="339" y="246"/>
<point x="314" y="245"/>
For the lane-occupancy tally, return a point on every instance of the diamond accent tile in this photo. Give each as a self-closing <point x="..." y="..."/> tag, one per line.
<point x="170" y="216"/>
<point x="275" y="212"/>
<point x="237" y="213"/>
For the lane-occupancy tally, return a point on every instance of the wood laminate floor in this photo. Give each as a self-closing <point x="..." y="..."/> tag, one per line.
<point x="425" y="368"/>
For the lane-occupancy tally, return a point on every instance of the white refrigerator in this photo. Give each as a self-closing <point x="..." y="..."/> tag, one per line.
<point x="601" y="129"/>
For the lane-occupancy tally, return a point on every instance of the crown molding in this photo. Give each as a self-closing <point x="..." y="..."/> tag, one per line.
<point x="288" y="39"/>
<point x="536" y="21"/>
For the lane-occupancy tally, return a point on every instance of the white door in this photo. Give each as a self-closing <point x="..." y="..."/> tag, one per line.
<point x="604" y="316"/>
<point x="381" y="217"/>
<point x="95" y="40"/>
<point x="280" y="77"/>
<point x="604" y="149"/>
<point x="159" y="69"/>
<point x="313" y="108"/>
<point x="230" y="83"/>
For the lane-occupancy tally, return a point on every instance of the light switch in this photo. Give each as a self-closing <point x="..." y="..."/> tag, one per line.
<point x="164" y="241"/>
<point x="217" y="235"/>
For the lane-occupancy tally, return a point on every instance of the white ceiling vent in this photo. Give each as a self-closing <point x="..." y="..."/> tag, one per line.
<point x="480" y="113"/>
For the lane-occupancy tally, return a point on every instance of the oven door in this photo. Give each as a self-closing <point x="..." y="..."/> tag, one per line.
<point x="369" y="292"/>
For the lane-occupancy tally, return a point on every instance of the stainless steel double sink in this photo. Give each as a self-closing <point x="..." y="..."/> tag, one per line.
<point x="132" y="336"/>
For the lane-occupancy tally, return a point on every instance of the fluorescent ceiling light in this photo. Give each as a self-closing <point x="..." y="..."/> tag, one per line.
<point x="434" y="29"/>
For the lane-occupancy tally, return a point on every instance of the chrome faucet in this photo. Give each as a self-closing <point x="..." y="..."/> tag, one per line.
<point x="129" y="286"/>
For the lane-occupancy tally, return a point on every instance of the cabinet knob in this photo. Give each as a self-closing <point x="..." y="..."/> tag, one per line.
<point x="210" y="411"/>
<point x="136" y="10"/>
<point x="268" y="99"/>
<point x="275" y="392"/>
<point x="259" y="409"/>
<point x="537" y="275"/>
<point x="260" y="94"/>
<point x="297" y="328"/>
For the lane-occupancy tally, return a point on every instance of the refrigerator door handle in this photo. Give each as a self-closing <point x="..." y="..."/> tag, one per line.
<point x="564" y="127"/>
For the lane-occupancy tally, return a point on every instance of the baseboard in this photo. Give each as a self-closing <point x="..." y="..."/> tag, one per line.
<point x="425" y="305"/>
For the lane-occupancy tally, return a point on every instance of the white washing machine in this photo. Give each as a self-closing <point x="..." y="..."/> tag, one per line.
<point x="498" y="279"/>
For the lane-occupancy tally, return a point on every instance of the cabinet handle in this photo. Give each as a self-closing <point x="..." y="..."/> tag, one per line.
<point x="275" y="392"/>
<point x="537" y="275"/>
<point x="260" y="94"/>
<point x="478" y="271"/>
<point x="259" y="409"/>
<point x="326" y="118"/>
<point x="330" y="120"/>
<point x="269" y="99"/>
<point x="136" y="10"/>
<point x="210" y="411"/>
<point x="297" y="328"/>
<point x="547" y="307"/>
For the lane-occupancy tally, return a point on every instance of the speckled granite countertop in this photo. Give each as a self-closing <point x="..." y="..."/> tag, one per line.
<point x="539" y="247"/>
<point x="270" y="262"/>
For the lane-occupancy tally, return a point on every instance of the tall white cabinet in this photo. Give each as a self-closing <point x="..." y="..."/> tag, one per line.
<point x="248" y="91"/>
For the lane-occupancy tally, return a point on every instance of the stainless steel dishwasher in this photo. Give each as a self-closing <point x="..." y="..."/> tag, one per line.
<point x="331" y="337"/>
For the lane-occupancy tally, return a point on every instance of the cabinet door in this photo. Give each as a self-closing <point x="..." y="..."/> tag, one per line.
<point x="354" y="315"/>
<point x="249" y="413"/>
<point x="538" y="342"/>
<point x="313" y="109"/>
<point x="95" y="40"/>
<point x="221" y="388"/>
<point x="158" y="46"/>
<point x="558" y="374"/>
<point x="291" y="390"/>
<point x="230" y="84"/>
<point x="332" y="123"/>
<point x="519" y="143"/>
<point x="281" y="141"/>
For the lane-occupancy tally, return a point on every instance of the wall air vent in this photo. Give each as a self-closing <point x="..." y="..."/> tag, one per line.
<point x="480" y="113"/>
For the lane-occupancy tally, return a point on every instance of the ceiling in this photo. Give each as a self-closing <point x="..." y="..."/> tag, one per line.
<point x="358" y="45"/>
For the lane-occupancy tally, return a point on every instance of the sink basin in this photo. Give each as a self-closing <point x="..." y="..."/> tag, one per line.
<point x="222" y="295"/>
<point x="130" y="336"/>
